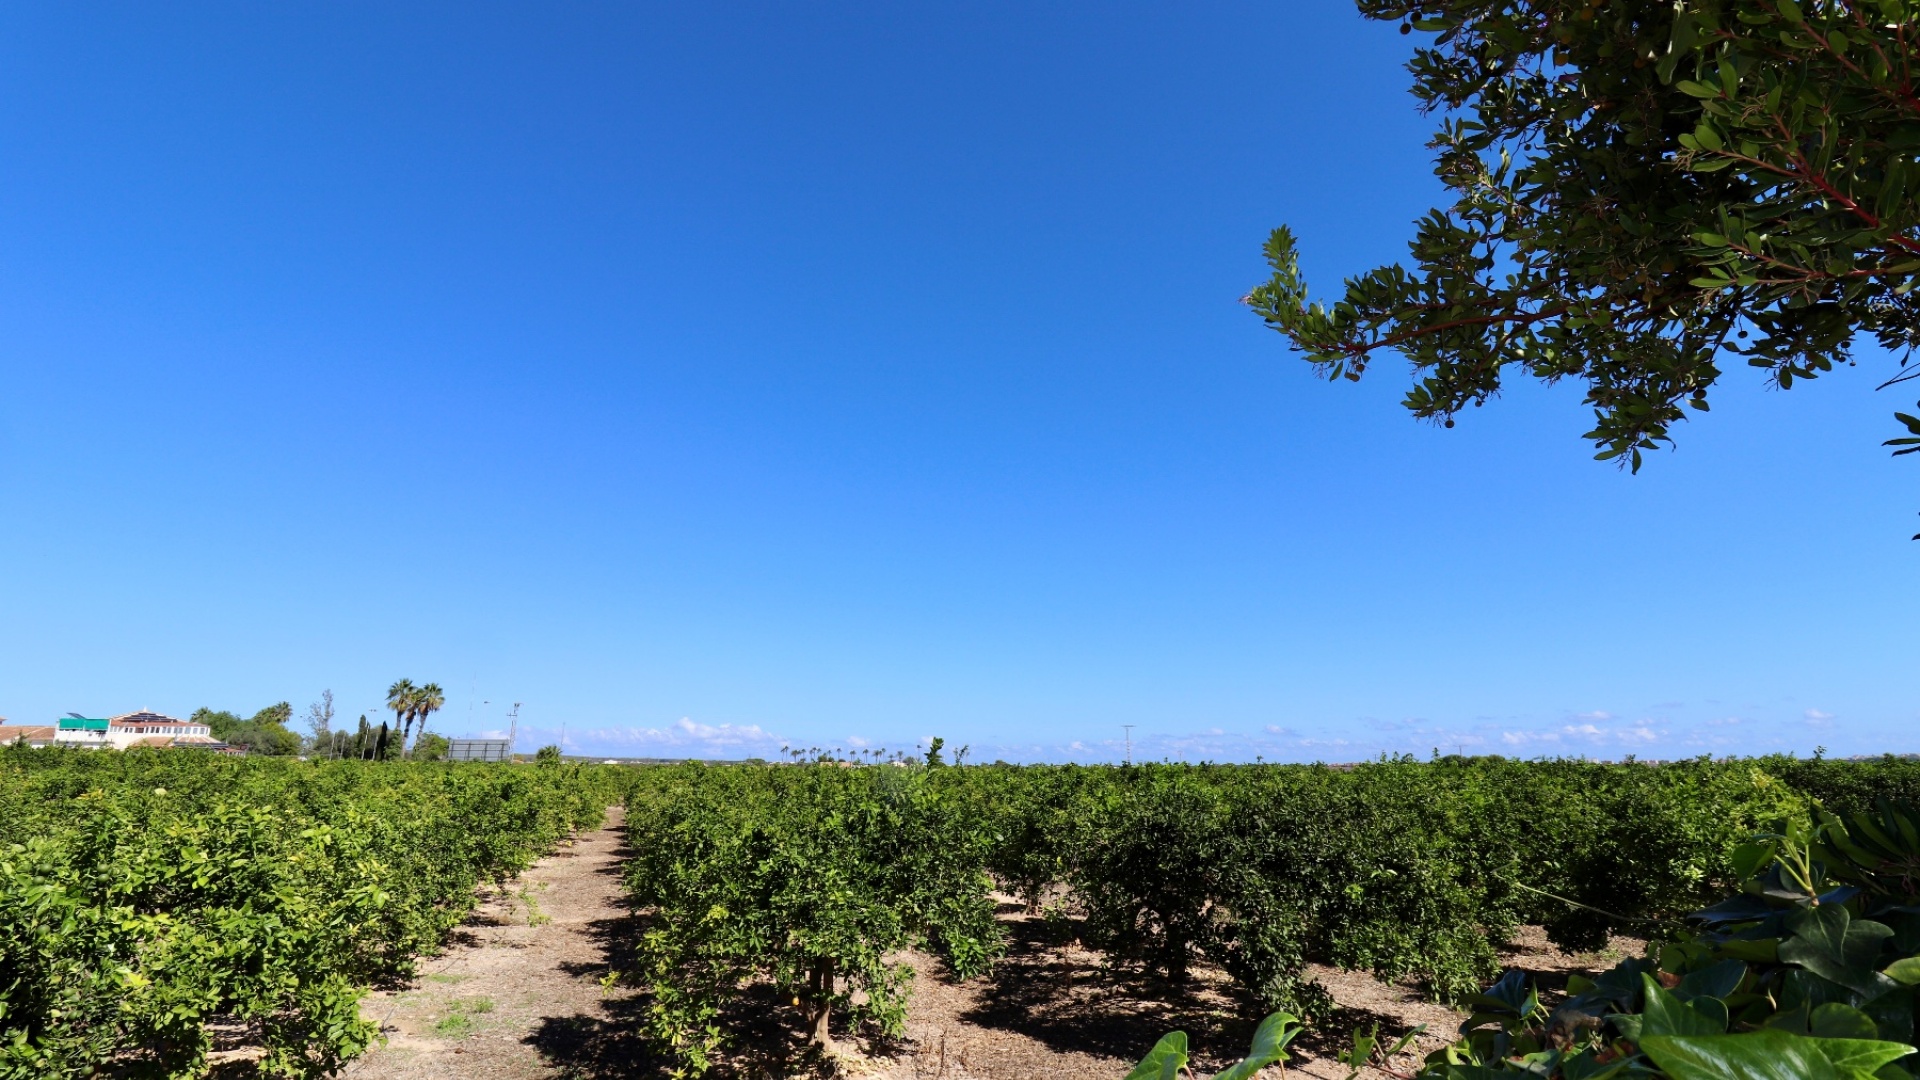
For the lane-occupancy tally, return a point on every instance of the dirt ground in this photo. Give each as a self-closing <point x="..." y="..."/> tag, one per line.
<point x="518" y="990"/>
<point x="1052" y="1009"/>
<point x="518" y="996"/>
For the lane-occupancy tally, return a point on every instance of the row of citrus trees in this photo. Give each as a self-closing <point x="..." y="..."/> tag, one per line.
<point x="807" y="878"/>
<point x="146" y="895"/>
<point x="1809" y="969"/>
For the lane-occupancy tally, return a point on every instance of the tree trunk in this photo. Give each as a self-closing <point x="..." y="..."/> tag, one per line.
<point x="820" y="982"/>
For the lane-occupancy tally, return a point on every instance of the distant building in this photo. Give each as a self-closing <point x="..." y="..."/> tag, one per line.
<point x="81" y="732"/>
<point x="34" y="734"/>
<point x="145" y="728"/>
<point x="117" y="733"/>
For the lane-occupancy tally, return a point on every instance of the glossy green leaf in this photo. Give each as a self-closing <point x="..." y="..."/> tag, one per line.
<point x="1905" y="971"/>
<point x="1769" y="1055"/>
<point x="1165" y="1060"/>
<point x="1269" y="1046"/>
<point x="1837" y="1021"/>
<point x="1714" y="980"/>
<point x="1832" y="944"/>
<point x="1666" y="1014"/>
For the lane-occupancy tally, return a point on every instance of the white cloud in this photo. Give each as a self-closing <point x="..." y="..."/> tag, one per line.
<point x="1521" y="738"/>
<point x="1597" y="714"/>
<point x="1819" y="719"/>
<point x="684" y="738"/>
<point x="856" y="742"/>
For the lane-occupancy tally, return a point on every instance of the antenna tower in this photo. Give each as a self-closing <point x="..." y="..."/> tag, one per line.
<point x="513" y="729"/>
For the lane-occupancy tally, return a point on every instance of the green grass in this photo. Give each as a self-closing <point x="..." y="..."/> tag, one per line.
<point x="459" y="1021"/>
<point x="454" y="1026"/>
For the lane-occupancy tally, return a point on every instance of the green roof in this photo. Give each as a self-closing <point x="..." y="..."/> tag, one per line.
<point x="74" y="723"/>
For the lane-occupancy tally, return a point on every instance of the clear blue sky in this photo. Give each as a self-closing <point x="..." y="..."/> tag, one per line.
<point x="707" y="376"/>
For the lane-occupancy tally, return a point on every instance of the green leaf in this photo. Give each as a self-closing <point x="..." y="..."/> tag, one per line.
<point x="1762" y="1055"/>
<point x="1165" y="1060"/>
<point x="1830" y="943"/>
<point x="1750" y="859"/>
<point x="1769" y="1055"/>
<point x="1860" y="1058"/>
<point x="1906" y="972"/>
<point x="1269" y="1046"/>
<point x="1714" y="981"/>
<point x="1694" y="89"/>
<point x="1666" y="1014"/>
<point x="1836" y="1021"/>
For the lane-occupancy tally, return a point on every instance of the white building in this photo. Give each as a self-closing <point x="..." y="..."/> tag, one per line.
<point x="82" y="732"/>
<point x="152" y="729"/>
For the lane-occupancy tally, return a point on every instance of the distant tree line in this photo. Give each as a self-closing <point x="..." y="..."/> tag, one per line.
<point x="411" y="705"/>
<point x="264" y="733"/>
<point x="369" y="742"/>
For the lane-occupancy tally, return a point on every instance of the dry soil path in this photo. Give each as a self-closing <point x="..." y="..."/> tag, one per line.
<point x="517" y="993"/>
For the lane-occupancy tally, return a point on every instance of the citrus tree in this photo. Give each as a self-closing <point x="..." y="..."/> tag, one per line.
<point x="1642" y="189"/>
<point x="807" y="877"/>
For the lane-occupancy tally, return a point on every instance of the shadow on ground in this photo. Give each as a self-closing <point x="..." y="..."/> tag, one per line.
<point x="1072" y="1005"/>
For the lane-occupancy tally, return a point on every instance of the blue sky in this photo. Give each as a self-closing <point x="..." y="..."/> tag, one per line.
<point x="712" y="377"/>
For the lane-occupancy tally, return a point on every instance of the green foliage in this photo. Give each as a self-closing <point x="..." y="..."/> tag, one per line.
<point x="1807" y="971"/>
<point x="265" y="733"/>
<point x="1849" y="787"/>
<point x="548" y="755"/>
<point x="428" y="700"/>
<point x="1403" y="868"/>
<point x="431" y="747"/>
<point x="364" y="743"/>
<point x="1168" y="1059"/>
<point x="1640" y="188"/>
<point x="411" y="704"/>
<point x="805" y="876"/>
<point x="144" y="894"/>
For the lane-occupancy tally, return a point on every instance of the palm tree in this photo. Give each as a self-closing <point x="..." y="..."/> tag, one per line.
<point x="426" y="701"/>
<point x="400" y="698"/>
